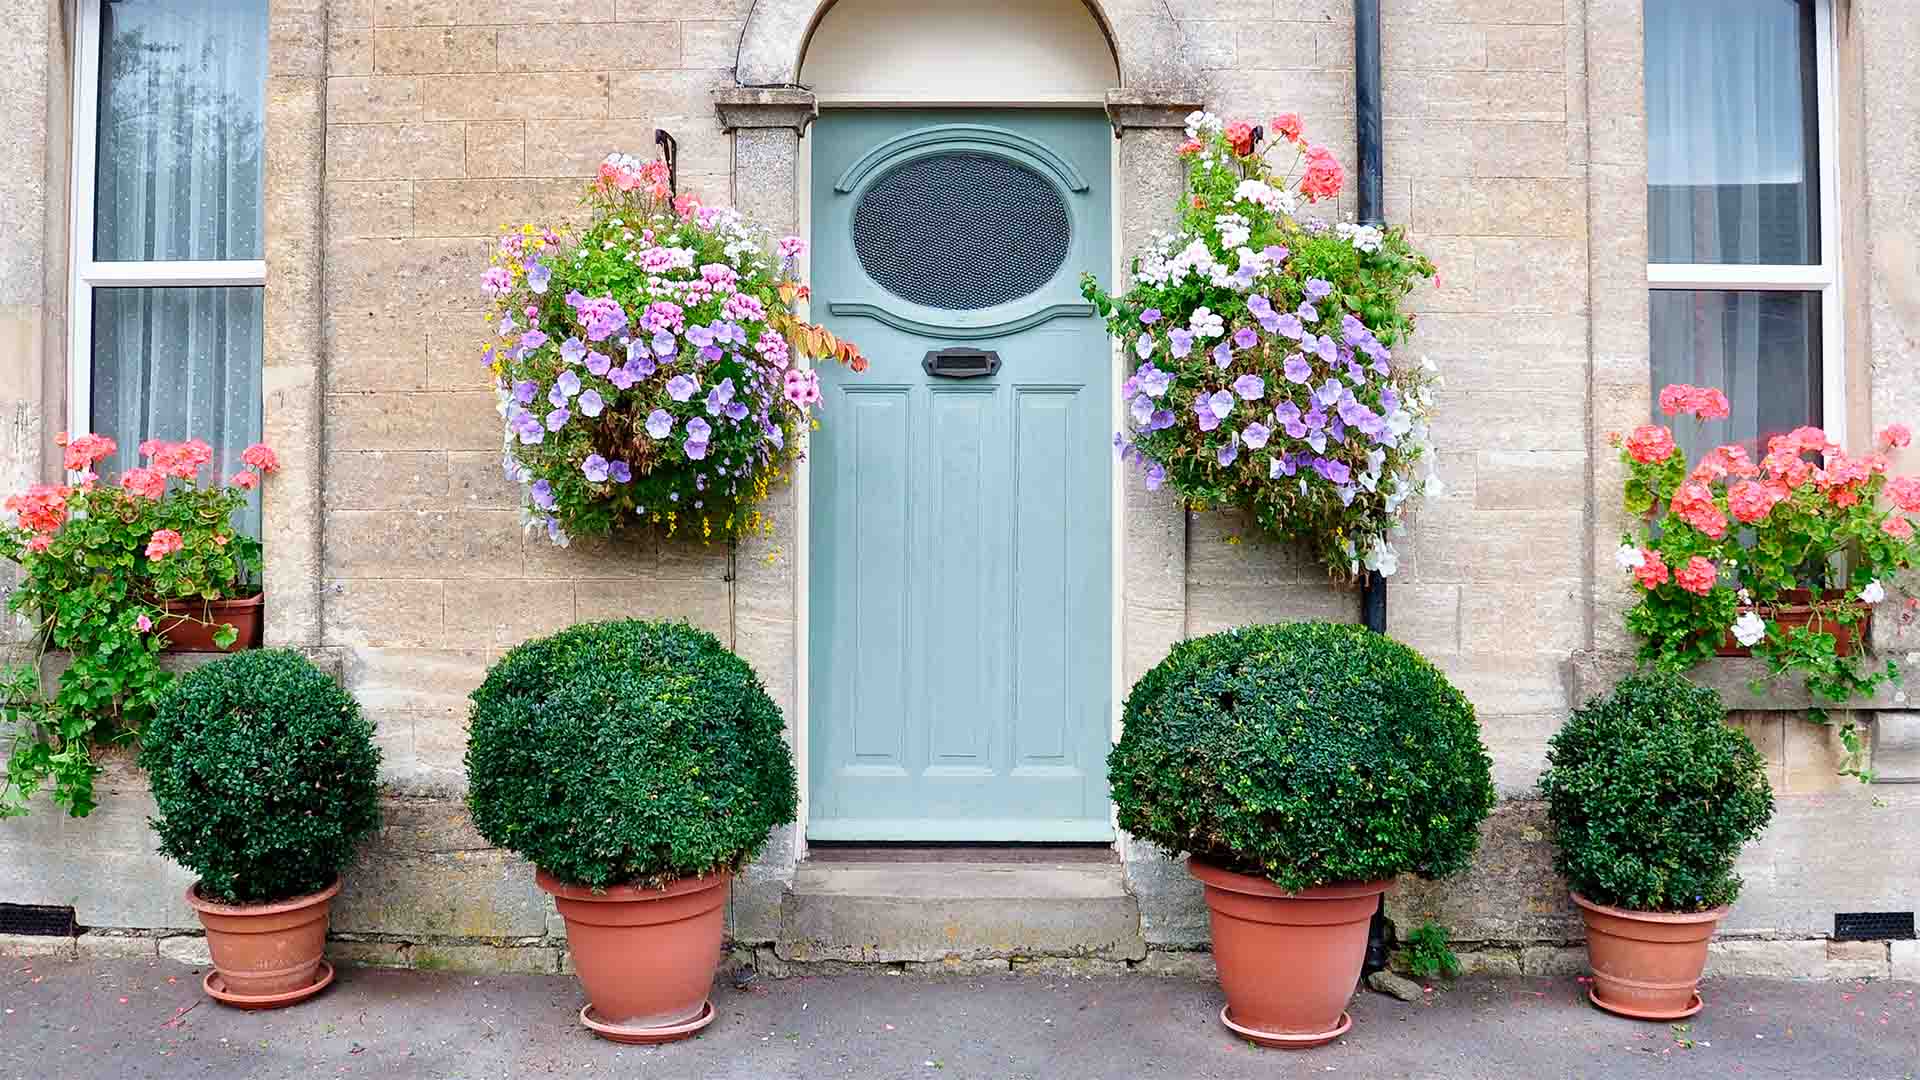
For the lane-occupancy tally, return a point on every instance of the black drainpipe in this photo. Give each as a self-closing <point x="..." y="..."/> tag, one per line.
<point x="1367" y="190"/>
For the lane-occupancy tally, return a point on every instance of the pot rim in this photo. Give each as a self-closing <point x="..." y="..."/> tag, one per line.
<point x="627" y="894"/>
<point x="1711" y="915"/>
<point x="229" y="602"/>
<point x="1219" y="877"/>
<point x="274" y="907"/>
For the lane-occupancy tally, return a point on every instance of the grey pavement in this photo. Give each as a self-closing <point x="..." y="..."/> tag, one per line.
<point x="135" y="1019"/>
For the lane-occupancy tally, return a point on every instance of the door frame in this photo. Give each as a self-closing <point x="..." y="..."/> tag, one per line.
<point x="803" y="474"/>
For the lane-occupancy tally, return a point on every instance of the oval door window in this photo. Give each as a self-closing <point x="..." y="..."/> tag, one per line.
<point x="961" y="231"/>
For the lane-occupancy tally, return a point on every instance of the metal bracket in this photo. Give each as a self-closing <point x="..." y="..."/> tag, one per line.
<point x="669" y="153"/>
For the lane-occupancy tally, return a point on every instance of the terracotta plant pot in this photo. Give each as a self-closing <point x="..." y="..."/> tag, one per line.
<point x="266" y="955"/>
<point x="1647" y="964"/>
<point x="1796" y="609"/>
<point x="189" y="625"/>
<point x="647" y="957"/>
<point x="1289" y="962"/>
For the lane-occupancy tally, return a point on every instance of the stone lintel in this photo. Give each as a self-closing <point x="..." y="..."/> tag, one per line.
<point x="1151" y="107"/>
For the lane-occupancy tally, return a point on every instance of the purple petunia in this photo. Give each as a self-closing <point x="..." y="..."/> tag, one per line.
<point x="557" y="419"/>
<point x="538" y="277"/>
<point x="699" y="436"/>
<point x="1229" y="453"/>
<point x="1182" y="341"/>
<point x="1223" y="356"/>
<point x="1162" y="420"/>
<point x="542" y="493"/>
<point x="1290" y="326"/>
<point x="1203" y="410"/>
<point x="598" y="363"/>
<point x="1297" y="370"/>
<point x="1250" y="387"/>
<point x="720" y="397"/>
<point x="621" y="472"/>
<point x="1221" y="403"/>
<point x="1319" y="289"/>
<point x="596" y="468"/>
<point x="1256" y="435"/>
<point x="525" y="391"/>
<point x="572" y="350"/>
<point x="1142" y="410"/>
<point x="1245" y="338"/>
<point x="1153" y="382"/>
<point x="1143" y="348"/>
<point x="1156" y="475"/>
<point x="1308" y="313"/>
<point x="591" y="403"/>
<point x="682" y="387"/>
<point x="1150" y="316"/>
<point x="659" y="423"/>
<point x="568" y="383"/>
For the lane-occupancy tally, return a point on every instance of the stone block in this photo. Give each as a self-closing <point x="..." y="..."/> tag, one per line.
<point x="1180" y="964"/>
<point x="884" y="912"/>
<point x="561" y="47"/>
<point x="1553" y="960"/>
<point x="461" y="894"/>
<point x="33" y="947"/>
<point x="952" y="966"/>
<point x="103" y="946"/>
<point x="1529" y="479"/>
<point x="379" y="480"/>
<point x="1906" y="960"/>
<point x="94" y="863"/>
<point x="534" y="95"/>
<point x="515" y="959"/>
<point x="1526" y="48"/>
<point x="669" y="596"/>
<point x="349" y="50"/>
<point x="407" y="543"/>
<point x="1172" y="912"/>
<point x="1814" y="757"/>
<point x="381" y="208"/>
<point x="1539" y="618"/>
<point x="499" y="614"/>
<point x="1799" y="959"/>
<point x="368" y="276"/>
<point x="577" y="149"/>
<point x="186" y="949"/>
<point x="1510" y="893"/>
<point x="373" y="99"/>
<point x="1068" y="967"/>
<point x="496" y="147"/>
<point x="481" y="207"/>
<point x="385" y="614"/>
<point x="433" y="50"/>
<point x="709" y="43"/>
<point x="477" y="483"/>
<point x="1493" y="962"/>
<point x="503" y="12"/>
<point x="395" y="151"/>
<point x="664" y="93"/>
<point x="1453" y="47"/>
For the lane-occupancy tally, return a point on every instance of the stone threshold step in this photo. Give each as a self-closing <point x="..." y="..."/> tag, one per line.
<point x="899" y="911"/>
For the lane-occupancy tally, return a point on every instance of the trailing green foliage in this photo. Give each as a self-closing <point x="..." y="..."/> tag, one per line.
<point x="1652" y="795"/>
<point x="628" y="753"/>
<point x="1310" y="754"/>
<point x="1428" y="954"/>
<point x="265" y="775"/>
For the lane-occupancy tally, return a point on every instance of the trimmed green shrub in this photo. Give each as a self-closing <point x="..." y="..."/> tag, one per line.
<point x="265" y="775"/>
<point x="1309" y="754"/>
<point x="628" y="753"/>
<point x="1652" y="795"/>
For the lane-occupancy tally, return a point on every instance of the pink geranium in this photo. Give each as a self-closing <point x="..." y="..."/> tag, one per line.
<point x="1324" y="178"/>
<point x="163" y="543"/>
<point x="261" y="457"/>
<point x="1697" y="576"/>
<point x="1703" y="402"/>
<point x="1650" y="444"/>
<point x="1652" y="571"/>
<point x="146" y="483"/>
<point x="1895" y="436"/>
<point x="1898" y="527"/>
<point x="1693" y="503"/>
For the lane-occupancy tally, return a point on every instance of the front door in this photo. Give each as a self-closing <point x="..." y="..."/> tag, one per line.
<point x="961" y="541"/>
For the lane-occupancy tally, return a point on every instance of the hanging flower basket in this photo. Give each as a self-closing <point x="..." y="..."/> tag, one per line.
<point x="1270" y="372"/>
<point x="1850" y="622"/>
<point x="649" y="370"/>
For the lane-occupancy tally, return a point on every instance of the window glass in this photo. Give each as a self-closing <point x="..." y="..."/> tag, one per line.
<point x="1732" y="132"/>
<point x="182" y="101"/>
<point x="1759" y="347"/>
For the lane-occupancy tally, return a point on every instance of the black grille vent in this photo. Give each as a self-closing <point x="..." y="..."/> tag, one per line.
<point x="962" y="231"/>
<point x="37" y="920"/>
<point x="1873" y="925"/>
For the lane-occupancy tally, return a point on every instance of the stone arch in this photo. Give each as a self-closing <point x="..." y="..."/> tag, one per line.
<point x="1146" y="43"/>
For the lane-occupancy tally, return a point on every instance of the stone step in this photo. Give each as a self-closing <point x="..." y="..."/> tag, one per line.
<point x="885" y="912"/>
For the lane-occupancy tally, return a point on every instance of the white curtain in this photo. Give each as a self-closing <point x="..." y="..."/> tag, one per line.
<point x="1732" y="179"/>
<point x="1730" y="122"/>
<point x="181" y="107"/>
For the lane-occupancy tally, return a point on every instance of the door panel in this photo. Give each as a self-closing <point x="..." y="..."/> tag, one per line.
<point x="960" y="628"/>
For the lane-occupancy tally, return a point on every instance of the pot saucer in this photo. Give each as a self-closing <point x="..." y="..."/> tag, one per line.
<point x="1286" y="1041"/>
<point x="1693" y="1006"/>
<point x="216" y="989"/>
<point x="646" y="1036"/>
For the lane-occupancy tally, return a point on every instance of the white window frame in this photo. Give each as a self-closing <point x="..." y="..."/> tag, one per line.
<point x="87" y="273"/>
<point x="1823" y="277"/>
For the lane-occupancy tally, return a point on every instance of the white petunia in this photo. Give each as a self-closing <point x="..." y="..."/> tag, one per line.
<point x="1873" y="593"/>
<point x="1749" y="629"/>
<point x="1629" y="558"/>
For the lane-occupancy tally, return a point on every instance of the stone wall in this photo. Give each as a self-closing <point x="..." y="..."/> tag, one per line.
<point x="404" y="133"/>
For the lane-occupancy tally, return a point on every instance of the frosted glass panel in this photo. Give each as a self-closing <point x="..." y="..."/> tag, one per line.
<point x="177" y="364"/>
<point x="182" y="100"/>
<point x="1762" y="348"/>
<point x="1732" y="132"/>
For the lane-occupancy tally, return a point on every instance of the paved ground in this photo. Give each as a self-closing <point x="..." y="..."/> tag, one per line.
<point x="136" y="1019"/>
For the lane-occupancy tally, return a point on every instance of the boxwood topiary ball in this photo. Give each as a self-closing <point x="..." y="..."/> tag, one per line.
<point x="265" y="775"/>
<point x="628" y="753"/>
<point x="1652" y="795"/>
<point x="1308" y="754"/>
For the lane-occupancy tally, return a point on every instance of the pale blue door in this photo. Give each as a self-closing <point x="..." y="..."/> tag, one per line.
<point x="961" y="539"/>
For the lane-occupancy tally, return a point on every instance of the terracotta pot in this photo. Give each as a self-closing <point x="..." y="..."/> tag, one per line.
<point x="1796" y="609"/>
<point x="264" y="951"/>
<point x="647" y="957"/>
<point x="1647" y="964"/>
<point x="1289" y="962"/>
<point x="189" y="625"/>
